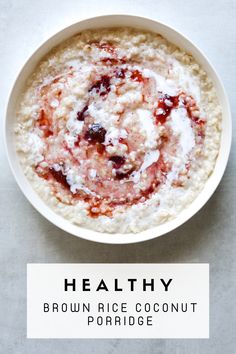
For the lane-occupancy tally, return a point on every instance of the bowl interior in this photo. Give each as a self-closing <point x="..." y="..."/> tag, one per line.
<point x="117" y="21"/>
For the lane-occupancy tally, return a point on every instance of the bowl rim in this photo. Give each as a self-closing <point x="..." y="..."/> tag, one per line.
<point x="104" y="237"/>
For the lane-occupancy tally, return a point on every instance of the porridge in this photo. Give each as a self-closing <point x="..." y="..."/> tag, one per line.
<point x="118" y="130"/>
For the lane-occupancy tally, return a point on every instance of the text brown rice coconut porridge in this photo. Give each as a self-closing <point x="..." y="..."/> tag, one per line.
<point x="118" y="130"/>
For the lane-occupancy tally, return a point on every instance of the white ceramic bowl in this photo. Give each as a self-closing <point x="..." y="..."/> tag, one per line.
<point x="172" y="36"/>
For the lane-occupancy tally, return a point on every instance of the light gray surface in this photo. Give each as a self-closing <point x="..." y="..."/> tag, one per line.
<point x="27" y="237"/>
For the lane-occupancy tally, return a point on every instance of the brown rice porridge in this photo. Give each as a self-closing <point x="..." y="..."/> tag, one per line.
<point x="118" y="130"/>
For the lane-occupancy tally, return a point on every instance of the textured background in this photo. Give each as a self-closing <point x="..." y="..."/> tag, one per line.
<point x="28" y="237"/>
